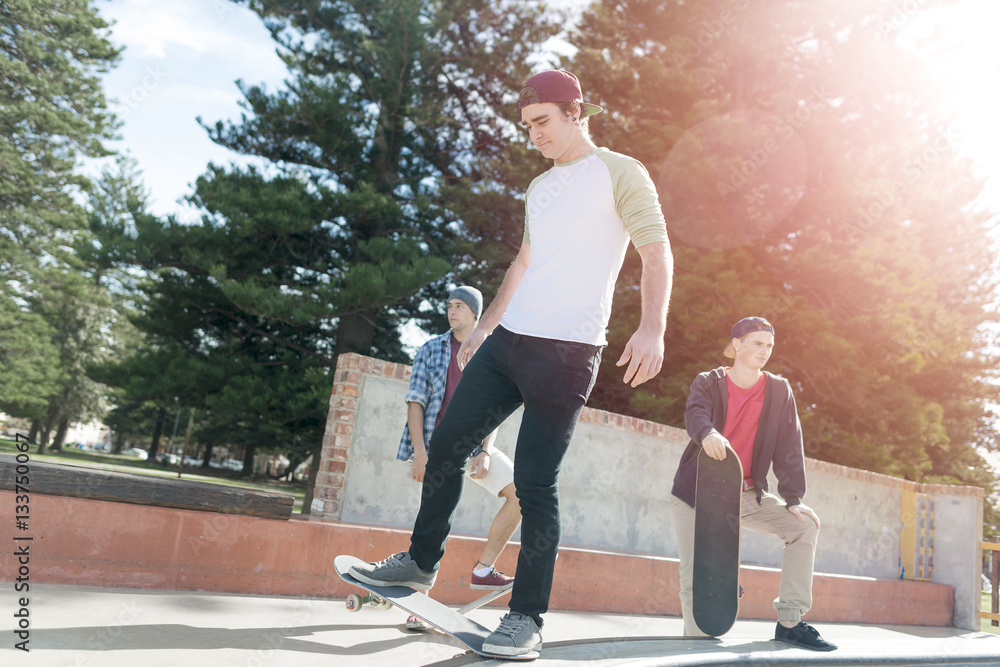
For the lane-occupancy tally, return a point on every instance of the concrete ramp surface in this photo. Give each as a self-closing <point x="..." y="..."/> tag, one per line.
<point x="965" y="651"/>
<point x="117" y="627"/>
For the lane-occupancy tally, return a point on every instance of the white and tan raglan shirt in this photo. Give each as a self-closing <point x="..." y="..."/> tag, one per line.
<point x="579" y="217"/>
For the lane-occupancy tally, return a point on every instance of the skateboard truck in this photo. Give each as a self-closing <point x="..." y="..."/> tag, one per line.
<point x="355" y="602"/>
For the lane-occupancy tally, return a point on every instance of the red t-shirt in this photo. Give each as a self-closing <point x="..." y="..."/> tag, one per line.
<point x="454" y="375"/>
<point x="742" y="418"/>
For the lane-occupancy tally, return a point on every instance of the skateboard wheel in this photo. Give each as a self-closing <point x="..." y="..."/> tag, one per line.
<point x="353" y="602"/>
<point x="741" y="592"/>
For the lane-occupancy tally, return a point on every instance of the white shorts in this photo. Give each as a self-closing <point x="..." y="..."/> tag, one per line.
<point x="500" y="474"/>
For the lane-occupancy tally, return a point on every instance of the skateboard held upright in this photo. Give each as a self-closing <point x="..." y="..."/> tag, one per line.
<point x="447" y="620"/>
<point x="716" y="580"/>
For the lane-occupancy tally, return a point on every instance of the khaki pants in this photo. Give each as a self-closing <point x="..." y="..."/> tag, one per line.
<point x="770" y="518"/>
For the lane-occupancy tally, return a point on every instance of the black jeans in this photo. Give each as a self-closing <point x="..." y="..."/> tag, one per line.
<point x="552" y="379"/>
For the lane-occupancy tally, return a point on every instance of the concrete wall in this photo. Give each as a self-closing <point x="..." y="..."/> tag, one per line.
<point x="99" y="543"/>
<point x="615" y="489"/>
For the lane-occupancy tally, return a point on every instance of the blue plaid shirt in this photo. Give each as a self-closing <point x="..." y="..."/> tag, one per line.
<point x="427" y="385"/>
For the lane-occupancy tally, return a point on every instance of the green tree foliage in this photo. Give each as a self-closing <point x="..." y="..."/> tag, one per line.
<point x="390" y="107"/>
<point x="236" y="310"/>
<point x="28" y="370"/>
<point x="810" y="173"/>
<point x="78" y="314"/>
<point x="52" y="111"/>
<point x="116" y="201"/>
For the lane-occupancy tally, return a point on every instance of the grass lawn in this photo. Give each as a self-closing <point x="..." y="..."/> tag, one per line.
<point x="131" y="464"/>
<point x="987" y="624"/>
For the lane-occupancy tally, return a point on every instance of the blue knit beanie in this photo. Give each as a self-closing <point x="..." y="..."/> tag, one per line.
<point x="472" y="297"/>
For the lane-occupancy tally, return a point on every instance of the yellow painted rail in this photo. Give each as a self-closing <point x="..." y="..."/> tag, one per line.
<point x="993" y="616"/>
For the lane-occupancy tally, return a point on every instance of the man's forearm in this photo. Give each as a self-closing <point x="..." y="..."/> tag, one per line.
<point x="656" y="285"/>
<point x="488" y="442"/>
<point x="415" y="420"/>
<point x="511" y="280"/>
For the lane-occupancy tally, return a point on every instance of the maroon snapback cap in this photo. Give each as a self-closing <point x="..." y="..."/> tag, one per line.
<point x="555" y="85"/>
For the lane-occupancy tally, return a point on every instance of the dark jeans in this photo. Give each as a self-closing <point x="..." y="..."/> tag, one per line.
<point x="552" y="379"/>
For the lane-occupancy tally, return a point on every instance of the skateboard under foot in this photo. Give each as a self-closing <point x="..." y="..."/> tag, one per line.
<point x="452" y="622"/>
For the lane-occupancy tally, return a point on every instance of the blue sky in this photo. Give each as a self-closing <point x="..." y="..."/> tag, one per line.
<point x="181" y="61"/>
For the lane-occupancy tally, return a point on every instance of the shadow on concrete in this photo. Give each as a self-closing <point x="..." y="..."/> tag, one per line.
<point x="690" y="652"/>
<point x="679" y="650"/>
<point x="161" y="637"/>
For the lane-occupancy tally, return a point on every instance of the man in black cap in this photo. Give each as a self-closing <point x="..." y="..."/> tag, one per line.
<point x="747" y="411"/>
<point x="539" y="345"/>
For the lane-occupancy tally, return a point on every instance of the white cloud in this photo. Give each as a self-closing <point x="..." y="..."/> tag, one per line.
<point x="189" y="28"/>
<point x="181" y="61"/>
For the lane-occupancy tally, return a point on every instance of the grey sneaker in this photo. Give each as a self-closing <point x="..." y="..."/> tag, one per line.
<point x="518" y="635"/>
<point x="398" y="570"/>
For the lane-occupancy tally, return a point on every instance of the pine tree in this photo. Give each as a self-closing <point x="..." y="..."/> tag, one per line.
<point x="391" y="104"/>
<point x="52" y="111"/>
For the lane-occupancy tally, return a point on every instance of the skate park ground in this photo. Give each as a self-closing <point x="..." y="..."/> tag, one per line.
<point x="84" y="626"/>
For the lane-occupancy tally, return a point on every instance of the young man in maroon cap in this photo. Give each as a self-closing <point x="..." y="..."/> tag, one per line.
<point x="539" y="345"/>
<point x="433" y="382"/>
<point x="751" y="413"/>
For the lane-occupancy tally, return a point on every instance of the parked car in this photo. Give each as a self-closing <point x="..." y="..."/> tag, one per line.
<point x="167" y="459"/>
<point x="141" y="454"/>
<point x="233" y="464"/>
<point x="190" y="461"/>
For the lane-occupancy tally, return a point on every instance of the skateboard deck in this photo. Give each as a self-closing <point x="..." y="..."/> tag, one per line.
<point x="449" y="621"/>
<point x="716" y="580"/>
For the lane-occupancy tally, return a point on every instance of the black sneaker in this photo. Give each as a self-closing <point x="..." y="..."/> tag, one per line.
<point x="802" y="635"/>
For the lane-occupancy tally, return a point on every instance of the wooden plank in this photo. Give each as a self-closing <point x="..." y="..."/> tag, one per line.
<point x="62" y="480"/>
<point x="987" y="615"/>
<point x="995" y="587"/>
<point x="990" y="546"/>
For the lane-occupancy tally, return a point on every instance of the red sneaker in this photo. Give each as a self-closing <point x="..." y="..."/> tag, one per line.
<point x="417" y="625"/>
<point x="492" y="581"/>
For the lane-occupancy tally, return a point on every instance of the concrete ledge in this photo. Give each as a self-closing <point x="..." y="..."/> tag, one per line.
<point x="98" y="543"/>
<point x="63" y="480"/>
